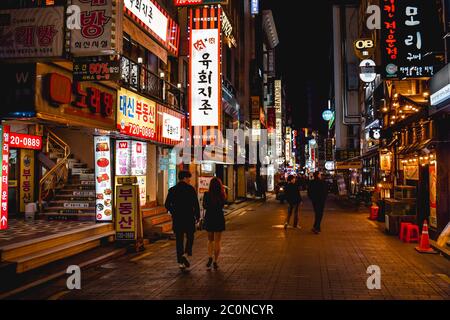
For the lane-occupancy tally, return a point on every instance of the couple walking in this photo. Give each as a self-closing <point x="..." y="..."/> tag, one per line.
<point x="182" y="203"/>
<point x="317" y="192"/>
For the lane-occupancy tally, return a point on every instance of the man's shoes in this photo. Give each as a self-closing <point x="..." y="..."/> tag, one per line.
<point x="298" y="227"/>
<point x="215" y="266"/>
<point x="285" y="225"/>
<point x="208" y="265"/>
<point x="186" y="262"/>
<point x="315" y="231"/>
<point x="181" y="266"/>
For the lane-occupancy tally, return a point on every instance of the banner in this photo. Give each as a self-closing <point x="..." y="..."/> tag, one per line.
<point x="26" y="178"/>
<point x="32" y="33"/>
<point x="100" y="28"/>
<point x="4" y="183"/>
<point x="205" y="64"/>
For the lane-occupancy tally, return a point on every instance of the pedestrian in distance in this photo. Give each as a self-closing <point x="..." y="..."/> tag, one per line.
<point x="294" y="199"/>
<point x="213" y="203"/>
<point x="317" y="192"/>
<point x="182" y="203"/>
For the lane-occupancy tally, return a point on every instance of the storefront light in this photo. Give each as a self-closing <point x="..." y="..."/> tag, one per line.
<point x="162" y="74"/>
<point x="140" y="60"/>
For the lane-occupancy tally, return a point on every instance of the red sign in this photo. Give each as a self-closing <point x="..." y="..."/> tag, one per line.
<point x="183" y="3"/>
<point x="4" y="182"/>
<point x="25" y="141"/>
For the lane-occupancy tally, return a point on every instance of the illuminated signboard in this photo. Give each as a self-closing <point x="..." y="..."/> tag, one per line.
<point x="171" y="127"/>
<point x="25" y="141"/>
<point x="410" y="37"/>
<point x="254" y="7"/>
<point x="185" y="3"/>
<point x="278" y="96"/>
<point x="103" y="185"/>
<point x="205" y="79"/>
<point x="4" y="131"/>
<point x="136" y="115"/>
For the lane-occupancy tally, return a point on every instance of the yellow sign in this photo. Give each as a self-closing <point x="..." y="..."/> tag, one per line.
<point x="385" y="162"/>
<point x="127" y="213"/>
<point x="348" y="165"/>
<point x="26" y="178"/>
<point x="136" y="115"/>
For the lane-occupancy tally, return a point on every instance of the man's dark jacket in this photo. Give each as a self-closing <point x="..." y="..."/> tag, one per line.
<point x="318" y="191"/>
<point x="182" y="203"/>
<point x="292" y="192"/>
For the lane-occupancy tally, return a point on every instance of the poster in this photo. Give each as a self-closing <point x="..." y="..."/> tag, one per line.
<point x="203" y="184"/>
<point x="123" y="158"/>
<point x="385" y="162"/>
<point x="26" y="178"/>
<point x="126" y="212"/>
<point x="103" y="185"/>
<point x="138" y="158"/>
<point x="411" y="172"/>
<point x="433" y="195"/>
<point x="142" y="183"/>
<point x="205" y="79"/>
<point x="4" y="130"/>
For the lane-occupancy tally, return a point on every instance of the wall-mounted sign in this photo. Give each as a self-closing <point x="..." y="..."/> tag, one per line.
<point x="98" y="68"/>
<point x="32" y="33"/>
<point x="185" y="3"/>
<point x="103" y="176"/>
<point x="327" y="115"/>
<point x="329" y="165"/>
<point x="172" y="174"/>
<point x="410" y="39"/>
<point x="279" y="136"/>
<point x="25" y="141"/>
<point x="329" y="149"/>
<point x="131" y="158"/>
<point x="227" y="29"/>
<point x="149" y="15"/>
<point x="364" y="48"/>
<point x="18" y="90"/>
<point x="4" y="131"/>
<point x="411" y="172"/>
<point x="287" y="144"/>
<point x="171" y="127"/>
<point x="254" y="7"/>
<point x="205" y="64"/>
<point x="367" y="70"/>
<point x="277" y="87"/>
<point x="255" y="107"/>
<point x="440" y="88"/>
<point x="271" y="119"/>
<point x="385" y="162"/>
<point x="26" y="178"/>
<point x="203" y="184"/>
<point x="375" y="133"/>
<point x="100" y="27"/>
<point x="433" y="194"/>
<point x="80" y="103"/>
<point x="136" y="115"/>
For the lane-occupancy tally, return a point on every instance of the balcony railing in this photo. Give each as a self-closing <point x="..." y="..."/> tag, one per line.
<point x="138" y="78"/>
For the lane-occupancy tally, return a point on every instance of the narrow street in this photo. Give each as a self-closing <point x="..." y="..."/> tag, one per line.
<point x="260" y="260"/>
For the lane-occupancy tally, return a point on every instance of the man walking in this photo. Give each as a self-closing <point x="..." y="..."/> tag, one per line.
<point x="294" y="199"/>
<point x="182" y="203"/>
<point x="317" y="192"/>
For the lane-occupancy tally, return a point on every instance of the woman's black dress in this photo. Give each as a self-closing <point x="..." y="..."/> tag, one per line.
<point x="214" y="216"/>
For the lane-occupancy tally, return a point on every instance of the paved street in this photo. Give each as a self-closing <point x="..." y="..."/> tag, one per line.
<point x="260" y="260"/>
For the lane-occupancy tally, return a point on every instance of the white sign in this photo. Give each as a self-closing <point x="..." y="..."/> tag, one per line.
<point x="205" y="77"/>
<point x="277" y="96"/>
<point x="279" y="136"/>
<point x="254" y="6"/>
<point x="327" y="115"/>
<point x="150" y="15"/>
<point x="131" y="158"/>
<point x="440" y="96"/>
<point x="94" y="35"/>
<point x="31" y="33"/>
<point x="171" y="127"/>
<point x="329" y="165"/>
<point x="368" y="73"/>
<point x="103" y="183"/>
<point x="287" y="153"/>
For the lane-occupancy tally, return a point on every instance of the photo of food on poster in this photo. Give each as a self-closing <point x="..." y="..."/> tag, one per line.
<point x="103" y="187"/>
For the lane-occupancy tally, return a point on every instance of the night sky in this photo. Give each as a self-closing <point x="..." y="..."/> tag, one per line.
<point x="304" y="55"/>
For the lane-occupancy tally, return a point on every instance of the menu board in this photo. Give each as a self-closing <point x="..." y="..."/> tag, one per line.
<point x="103" y="179"/>
<point x="131" y="158"/>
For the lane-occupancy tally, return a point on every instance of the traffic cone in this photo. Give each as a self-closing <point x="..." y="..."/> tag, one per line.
<point x="424" y="246"/>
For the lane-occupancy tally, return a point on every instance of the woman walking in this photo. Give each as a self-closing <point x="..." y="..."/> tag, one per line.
<point x="213" y="202"/>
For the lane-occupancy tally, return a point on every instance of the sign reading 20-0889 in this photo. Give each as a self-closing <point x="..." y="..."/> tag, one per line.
<point x="136" y="115"/>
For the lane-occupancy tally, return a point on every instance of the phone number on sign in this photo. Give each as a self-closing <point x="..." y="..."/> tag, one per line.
<point x="139" y="131"/>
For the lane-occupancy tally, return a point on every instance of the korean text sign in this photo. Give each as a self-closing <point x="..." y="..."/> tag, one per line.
<point x="4" y="183"/>
<point x="26" y="178"/>
<point x="409" y="34"/>
<point x="31" y="33"/>
<point x="136" y="115"/>
<point x="126" y="212"/>
<point x="205" y="77"/>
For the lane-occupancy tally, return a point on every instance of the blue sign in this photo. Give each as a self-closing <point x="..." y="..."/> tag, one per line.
<point x="172" y="168"/>
<point x="254" y="7"/>
<point x="327" y="115"/>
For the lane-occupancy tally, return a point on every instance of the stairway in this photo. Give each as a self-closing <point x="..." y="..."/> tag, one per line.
<point x="75" y="201"/>
<point x="156" y="220"/>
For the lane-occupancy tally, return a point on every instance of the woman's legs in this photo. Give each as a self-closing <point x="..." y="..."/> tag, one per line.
<point x="210" y="244"/>
<point x="217" y="239"/>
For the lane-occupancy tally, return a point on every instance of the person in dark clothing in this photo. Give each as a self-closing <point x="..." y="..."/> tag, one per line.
<point x="213" y="202"/>
<point x="182" y="203"/>
<point x="294" y="199"/>
<point x="317" y="192"/>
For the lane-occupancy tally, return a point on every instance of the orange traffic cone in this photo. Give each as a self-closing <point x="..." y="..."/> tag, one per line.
<point x="424" y="246"/>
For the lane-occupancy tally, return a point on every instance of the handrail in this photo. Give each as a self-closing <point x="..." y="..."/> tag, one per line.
<point x="51" y="175"/>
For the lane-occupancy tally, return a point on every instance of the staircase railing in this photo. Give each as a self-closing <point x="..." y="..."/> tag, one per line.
<point x="59" y="174"/>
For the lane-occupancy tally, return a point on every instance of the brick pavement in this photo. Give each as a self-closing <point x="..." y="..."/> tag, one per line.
<point x="260" y="260"/>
